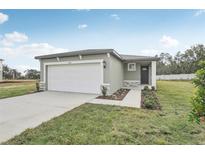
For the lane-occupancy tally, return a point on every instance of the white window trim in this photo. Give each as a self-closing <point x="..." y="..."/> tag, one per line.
<point x="71" y="63"/>
<point x="128" y="68"/>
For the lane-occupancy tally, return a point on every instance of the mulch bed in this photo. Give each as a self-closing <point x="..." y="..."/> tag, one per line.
<point x="118" y="95"/>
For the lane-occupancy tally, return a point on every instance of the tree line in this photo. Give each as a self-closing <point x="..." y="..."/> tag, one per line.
<point x="9" y="73"/>
<point x="183" y="62"/>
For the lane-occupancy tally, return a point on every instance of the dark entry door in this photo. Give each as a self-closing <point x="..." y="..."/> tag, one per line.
<point x="144" y="74"/>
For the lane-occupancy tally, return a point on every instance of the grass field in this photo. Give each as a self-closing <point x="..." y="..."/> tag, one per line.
<point x="16" y="88"/>
<point x="103" y="124"/>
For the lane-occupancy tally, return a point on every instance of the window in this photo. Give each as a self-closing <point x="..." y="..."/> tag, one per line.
<point x="131" y="67"/>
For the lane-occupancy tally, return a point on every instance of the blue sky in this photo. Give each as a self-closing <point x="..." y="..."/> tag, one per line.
<point x="28" y="33"/>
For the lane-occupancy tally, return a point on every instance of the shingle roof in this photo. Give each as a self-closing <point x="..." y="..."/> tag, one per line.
<point x="75" y="53"/>
<point x="97" y="51"/>
<point x="138" y="58"/>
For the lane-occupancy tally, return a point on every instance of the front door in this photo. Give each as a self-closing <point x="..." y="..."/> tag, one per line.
<point x="144" y="74"/>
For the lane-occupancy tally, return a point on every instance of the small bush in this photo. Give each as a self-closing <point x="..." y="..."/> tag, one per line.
<point x="146" y="88"/>
<point x="104" y="90"/>
<point x="150" y="100"/>
<point x="153" y="88"/>
<point x="37" y="86"/>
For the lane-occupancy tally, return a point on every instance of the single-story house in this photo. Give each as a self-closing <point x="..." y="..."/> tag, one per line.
<point x="85" y="71"/>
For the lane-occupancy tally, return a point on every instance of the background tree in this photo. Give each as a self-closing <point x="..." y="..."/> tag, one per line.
<point x="9" y="73"/>
<point x="32" y="74"/>
<point x="163" y="65"/>
<point x="181" y="63"/>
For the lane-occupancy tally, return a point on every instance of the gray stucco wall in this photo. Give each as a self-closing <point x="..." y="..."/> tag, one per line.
<point x="106" y="72"/>
<point x="116" y="74"/>
<point x="132" y="75"/>
<point x="113" y="72"/>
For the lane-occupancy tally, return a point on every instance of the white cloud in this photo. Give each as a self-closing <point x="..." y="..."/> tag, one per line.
<point x="86" y="10"/>
<point x="3" y="18"/>
<point x="23" y="68"/>
<point x="10" y="38"/>
<point x="27" y="52"/>
<point x="199" y="12"/>
<point x="115" y="16"/>
<point x="39" y="48"/>
<point x="7" y="51"/>
<point x="31" y="50"/>
<point x="168" y="41"/>
<point x="82" y="26"/>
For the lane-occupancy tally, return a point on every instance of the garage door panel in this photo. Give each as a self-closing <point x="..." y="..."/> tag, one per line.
<point x="85" y="78"/>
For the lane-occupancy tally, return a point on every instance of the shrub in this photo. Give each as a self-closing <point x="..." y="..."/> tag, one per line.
<point x="153" y="88"/>
<point x="104" y="90"/>
<point x="146" y="88"/>
<point x="150" y="100"/>
<point x="198" y="100"/>
<point x="37" y="86"/>
<point x="145" y="92"/>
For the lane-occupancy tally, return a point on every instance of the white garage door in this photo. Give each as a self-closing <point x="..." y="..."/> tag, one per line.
<point x="83" y="78"/>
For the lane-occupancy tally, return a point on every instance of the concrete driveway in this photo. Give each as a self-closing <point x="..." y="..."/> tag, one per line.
<point x="28" y="111"/>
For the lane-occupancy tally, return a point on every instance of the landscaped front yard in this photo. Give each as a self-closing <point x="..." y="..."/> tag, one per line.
<point x="104" y="124"/>
<point x="16" y="88"/>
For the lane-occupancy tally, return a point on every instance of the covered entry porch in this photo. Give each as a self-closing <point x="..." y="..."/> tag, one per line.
<point x="138" y="74"/>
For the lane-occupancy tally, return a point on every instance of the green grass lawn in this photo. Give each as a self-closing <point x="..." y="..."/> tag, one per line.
<point x="16" y="89"/>
<point x="104" y="124"/>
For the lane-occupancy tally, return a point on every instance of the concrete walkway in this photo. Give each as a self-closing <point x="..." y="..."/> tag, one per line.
<point x="132" y="99"/>
<point x="28" y="111"/>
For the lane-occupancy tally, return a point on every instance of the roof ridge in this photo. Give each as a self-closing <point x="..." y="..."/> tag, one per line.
<point x="134" y="55"/>
<point x="77" y="52"/>
<point x="91" y="49"/>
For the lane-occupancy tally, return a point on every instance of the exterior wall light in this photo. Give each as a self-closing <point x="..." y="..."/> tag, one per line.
<point x="104" y="64"/>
